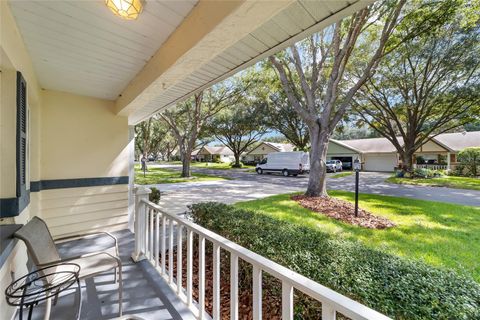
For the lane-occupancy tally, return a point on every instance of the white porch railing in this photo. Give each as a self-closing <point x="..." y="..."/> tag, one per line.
<point x="156" y="231"/>
<point x="432" y="166"/>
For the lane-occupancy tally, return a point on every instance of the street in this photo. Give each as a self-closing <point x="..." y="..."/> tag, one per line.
<point x="249" y="185"/>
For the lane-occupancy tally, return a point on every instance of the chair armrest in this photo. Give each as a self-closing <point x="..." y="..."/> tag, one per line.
<point x="119" y="261"/>
<point x="89" y="255"/>
<point x="84" y="235"/>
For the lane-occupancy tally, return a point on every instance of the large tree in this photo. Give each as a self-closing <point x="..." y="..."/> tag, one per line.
<point x="187" y="119"/>
<point x="149" y="136"/>
<point x="167" y="147"/>
<point x="328" y="77"/>
<point x="239" y="127"/>
<point x="429" y="85"/>
<point x="280" y="115"/>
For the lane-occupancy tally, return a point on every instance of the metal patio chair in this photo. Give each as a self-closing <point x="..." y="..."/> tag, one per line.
<point x="43" y="251"/>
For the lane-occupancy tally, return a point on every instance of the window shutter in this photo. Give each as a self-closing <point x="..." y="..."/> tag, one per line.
<point x="21" y="135"/>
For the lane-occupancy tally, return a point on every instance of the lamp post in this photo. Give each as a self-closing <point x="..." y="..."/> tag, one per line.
<point x="356" y="167"/>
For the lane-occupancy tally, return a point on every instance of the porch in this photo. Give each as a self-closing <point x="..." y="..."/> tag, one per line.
<point x="145" y="293"/>
<point x="435" y="160"/>
<point x="156" y="288"/>
<point x="74" y="82"/>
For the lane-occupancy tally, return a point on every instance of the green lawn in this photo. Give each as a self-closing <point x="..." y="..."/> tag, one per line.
<point x="217" y="166"/>
<point x="163" y="175"/>
<point x="446" y="181"/>
<point x="438" y="233"/>
<point x="341" y="175"/>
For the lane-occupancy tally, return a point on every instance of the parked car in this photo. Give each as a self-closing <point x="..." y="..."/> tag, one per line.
<point x="334" y="165"/>
<point x="288" y="163"/>
<point x="250" y="163"/>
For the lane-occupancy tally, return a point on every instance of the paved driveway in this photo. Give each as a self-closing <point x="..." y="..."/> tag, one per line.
<point x="249" y="186"/>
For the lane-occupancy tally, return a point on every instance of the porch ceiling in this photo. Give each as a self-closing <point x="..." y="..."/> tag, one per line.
<point x="173" y="50"/>
<point x="248" y="32"/>
<point x="81" y="47"/>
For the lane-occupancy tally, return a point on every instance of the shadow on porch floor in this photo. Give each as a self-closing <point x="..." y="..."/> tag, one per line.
<point x="145" y="294"/>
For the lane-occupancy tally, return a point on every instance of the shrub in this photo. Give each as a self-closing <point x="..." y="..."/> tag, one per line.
<point x="427" y="173"/>
<point x="154" y="196"/>
<point x="420" y="160"/>
<point x="422" y="173"/>
<point x="399" y="173"/>
<point x="469" y="159"/>
<point x="400" y="288"/>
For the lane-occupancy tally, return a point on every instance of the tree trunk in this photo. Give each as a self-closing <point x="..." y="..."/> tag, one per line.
<point x="144" y="163"/>
<point x="186" y="166"/>
<point x="186" y="157"/>
<point x="407" y="160"/>
<point x="237" y="161"/>
<point x="317" y="183"/>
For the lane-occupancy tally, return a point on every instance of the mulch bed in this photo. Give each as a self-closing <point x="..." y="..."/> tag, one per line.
<point x="271" y="295"/>
<point x="344" y="211"/>
<point x="272" y="303"/>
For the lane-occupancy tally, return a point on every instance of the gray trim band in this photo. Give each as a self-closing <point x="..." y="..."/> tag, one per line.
<point x="11" y="207"/>
<point x="36" y="186"/>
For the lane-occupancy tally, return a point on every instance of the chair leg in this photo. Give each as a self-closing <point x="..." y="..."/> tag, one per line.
<point x="115" y="275"/>
<point x="120" y="289"/>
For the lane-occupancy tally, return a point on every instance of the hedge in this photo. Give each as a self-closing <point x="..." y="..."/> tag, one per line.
<point x="397" y="287"/>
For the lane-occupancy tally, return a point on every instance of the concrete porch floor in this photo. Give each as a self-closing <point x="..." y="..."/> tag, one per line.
<point x="145" y="294"/>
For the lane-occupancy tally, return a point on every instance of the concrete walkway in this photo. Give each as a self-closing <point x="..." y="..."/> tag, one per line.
<point x="249" y="186"/>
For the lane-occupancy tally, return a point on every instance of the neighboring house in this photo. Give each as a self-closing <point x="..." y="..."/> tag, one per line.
<point x="194" y="155"/>
<point x="215" y="154"/>
<point x="379" y="154"/>
<point x="260" y="152"/>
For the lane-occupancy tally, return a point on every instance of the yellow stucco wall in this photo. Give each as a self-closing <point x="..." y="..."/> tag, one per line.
<point x="14" y="57"/>
<point x="70" y="137"/>
<point x="7" y="128"/>
<point x="81" y="137"/>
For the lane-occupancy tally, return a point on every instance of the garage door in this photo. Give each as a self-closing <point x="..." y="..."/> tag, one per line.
<point x="346" y="162"/>
<point x="380" y="162"/>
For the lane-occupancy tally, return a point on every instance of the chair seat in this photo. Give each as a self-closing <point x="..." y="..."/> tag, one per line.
<point x="94" y="264"/>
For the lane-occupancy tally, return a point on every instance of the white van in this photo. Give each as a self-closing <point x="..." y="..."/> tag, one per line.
<point x="288" y="163"/>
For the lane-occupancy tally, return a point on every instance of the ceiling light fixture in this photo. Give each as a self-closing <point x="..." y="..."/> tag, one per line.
<point x="126" y="9"/>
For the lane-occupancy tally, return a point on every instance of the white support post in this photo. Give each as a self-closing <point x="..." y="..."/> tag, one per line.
<point x="163" y="249"/>
<point x="216" y="281"/>
<point x="170" y="252"/>
<point x="189" y="266"/>
<point x="257" y="293"/>
<point x="141" y="194"/>
<point x="201" y="277"/>
<point x="150" y="231"/>
<point x="328" y="313"/>
<point x="287" y="301"/>
<point x="448" y="162"/>
<point x="179" y="258"/>
<point x="131" y="178"/>
<point x="233" y="286"/>
<point x="157" y="239"/>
